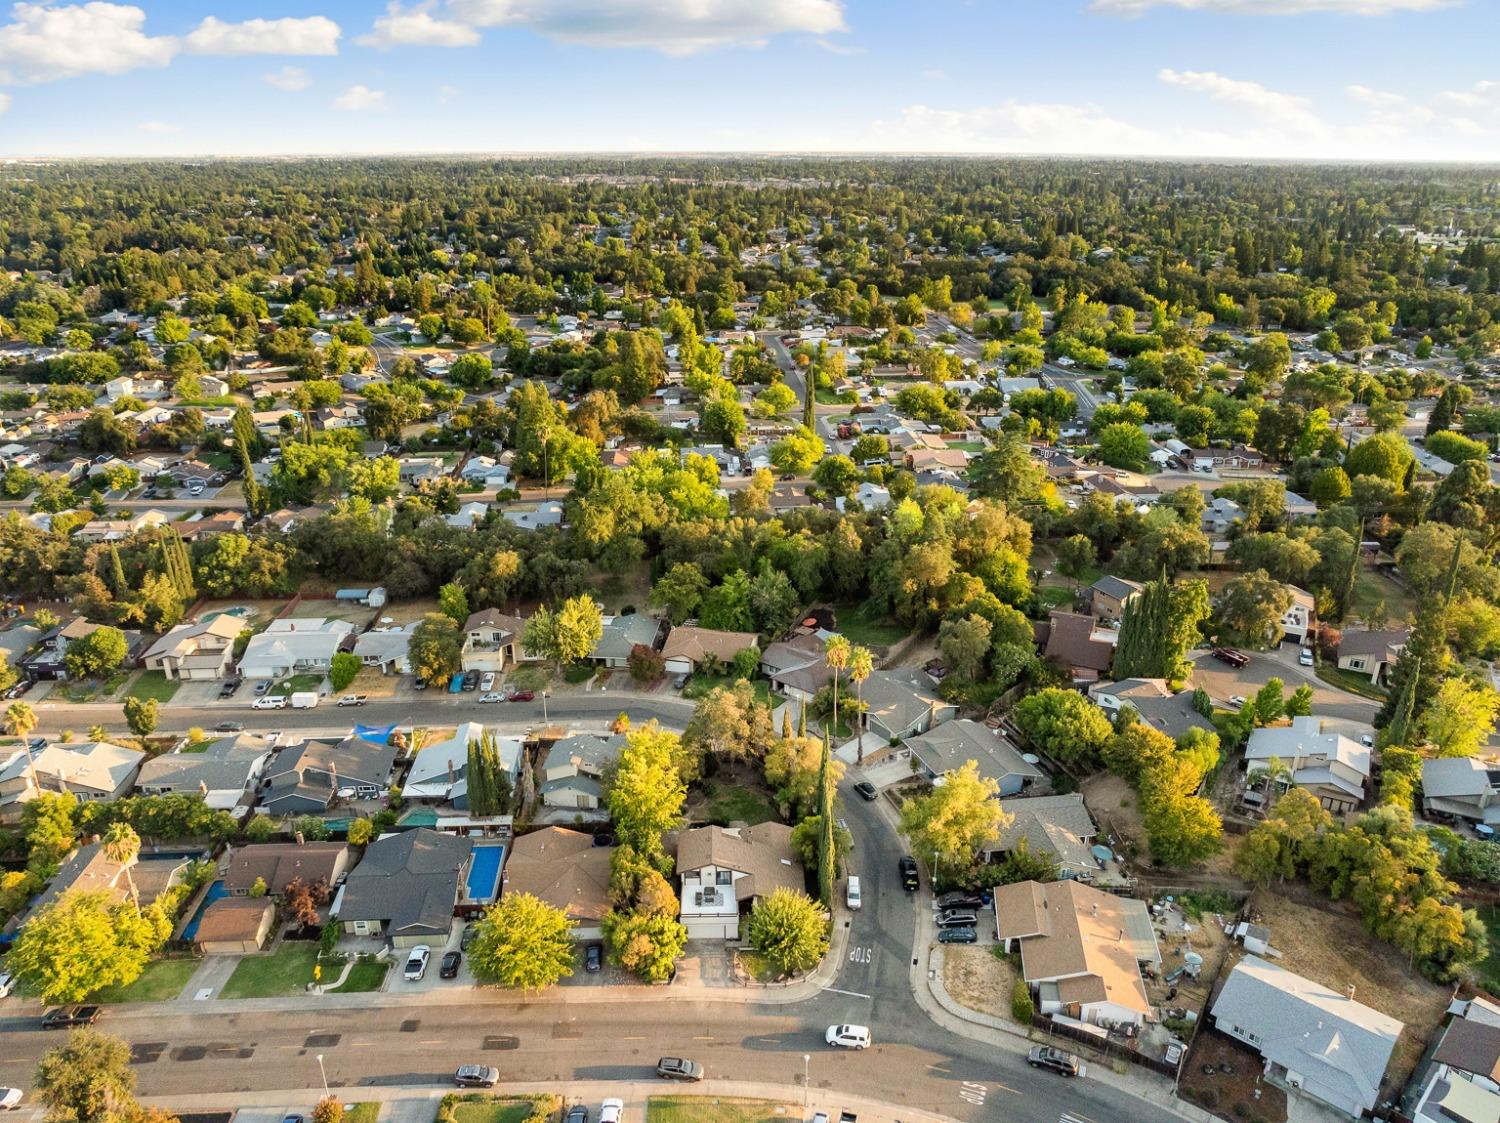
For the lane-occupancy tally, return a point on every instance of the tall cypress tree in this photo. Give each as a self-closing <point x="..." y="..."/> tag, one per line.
<point x="827" y="856"/>
<point x="1426" y="659"/>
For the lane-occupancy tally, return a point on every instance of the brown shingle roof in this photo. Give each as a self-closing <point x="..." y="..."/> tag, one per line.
<point x="563" y="868"/>
<point x="233" y="919"/>
<point x="279" y="863"/>
<point x="696" y="644"/>
<point x="763" y="851"/>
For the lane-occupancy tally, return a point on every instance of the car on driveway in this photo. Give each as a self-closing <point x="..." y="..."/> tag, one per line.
<point x="1055" y="1060"/>
<point x="957" y="918"/>
<point x="578" y="1113"/>
<point x="680" y="681"/>
<point x="476" y="1076"/>
<point x="961" y="900"/>
<point x="848" y="1037"/>
<point x="470" y="931"/>
<point x="958" y="936"/>
<point x="229" y="687"/>
<point x="1238" y="701"/>
<point x="867" y="791"/>
<point x="64" y="1017"/>
<point x="909" y="879"/>
<point x="679" y="1068"/>
<point x="611" y="1110"/>
<point x="416" y="962"/>
<point x="593" y="958"/>
<point x="262" y="687"/>
<point x="450" y="965"/>
<point x="1305" y="657"/>
<point x="10" y="1099"/>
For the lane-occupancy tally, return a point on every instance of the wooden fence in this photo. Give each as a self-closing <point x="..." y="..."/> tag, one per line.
<point x="1107" y="1048"/>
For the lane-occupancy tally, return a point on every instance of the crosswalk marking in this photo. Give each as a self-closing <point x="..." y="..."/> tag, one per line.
<point x="1069" y="1118"/>
<point x="972" y="1093"/>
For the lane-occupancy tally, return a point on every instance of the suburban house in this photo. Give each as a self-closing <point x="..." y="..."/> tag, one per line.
<point x="48" y="661"/>
<point x="492" y="641"/>
<point x="406" y="888"/>
<point x="622" y="635"/>
<point x="1461" y="1080"/>
<point x="385" y="648"/>
<point x="1154" y="703"/>
<point x="1082" y="950"/>
<point x="1109" y="595"/>
<point x="87" y="770"/>
<point x="225" y="772"/>
<point x="1220" y="514"/>
<point x="278" y="864"/>
<point x="1316" y="1042"/>
<point x="308" y="778"/>
<point x="688" y="648"/>
<point x="235" y="926"/>
<point x="533" y="516"/>
<point x="1328" y="765"/>
<point x="1058" y="827"/>
<point x="725" y="870"/>
<point x="796" y="667"/>
<point x="1462" y="787"/>
<point x="947" y="747"/>
<point x="1298" y="620"/>
<point x="901" y="703"/>
<point x="291" y="646"/>
<point x="566" y="870"/>
<point x="574" y="767"/>
<point x="1372" y="653"/>
<point x="1076" y="642"/>
<point x="192" y="652"/>
<point x="439" y="771"/>
<point x="90" y="870"/>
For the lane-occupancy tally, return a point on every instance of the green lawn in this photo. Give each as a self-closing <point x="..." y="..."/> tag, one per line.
<point x="1489" y="968"/>
<point x="725" y="803"/>
<point x="161" y="981"/>
<point x="868" y="627"/>
<point x="295" y="684"/>
<point x="973" y="448"/>
<point x="716" y="1109"/>
<point x="153" y="684"/>
<point x="366" y="975"/>
<point x="500" y="1111"/>
<point x="1374" y="586"/>
<point x="1353" y="683"/>
<point x="91" y="690"/>
<point x="1055" y="595"/>
<point x="533" y="676"/>
<point x="361" y="1112"/>
<point x="579" y="672"/>
<point x="286" y="972"/>
<point x="701" y="685"/>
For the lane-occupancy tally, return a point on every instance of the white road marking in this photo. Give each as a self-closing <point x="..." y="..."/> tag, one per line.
<point x="850" y="993"/>
<point x="972" y="1093"/>
<point x="861" y="955"/>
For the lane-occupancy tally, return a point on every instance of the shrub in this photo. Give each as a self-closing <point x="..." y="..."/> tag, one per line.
<point x="1022" y="1008"/>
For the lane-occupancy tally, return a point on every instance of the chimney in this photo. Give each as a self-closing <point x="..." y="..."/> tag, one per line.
<point x="452" y="775"/>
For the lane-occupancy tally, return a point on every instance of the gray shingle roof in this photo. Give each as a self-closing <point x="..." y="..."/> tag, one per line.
<point x="409" y="881"/>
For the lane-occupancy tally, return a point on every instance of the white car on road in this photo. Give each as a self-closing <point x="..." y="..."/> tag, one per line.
<point x="10" y="1099"/>
<point x="848" y="1037"/>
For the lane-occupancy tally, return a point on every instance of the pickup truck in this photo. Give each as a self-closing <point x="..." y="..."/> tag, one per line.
<point x="354" y="699"/>
<point x="1230" y="656"/>
<point x="65" y="1016"/>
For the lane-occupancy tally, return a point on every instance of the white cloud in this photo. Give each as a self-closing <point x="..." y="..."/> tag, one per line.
<point x="838" y="48"/>
<point x="416" y="27"/>
<point x="1284" y="110"/>
<point x="1375" y="99"/>
<point x="4" y="102"/>
<point x="1481" y="95"/>
<point x="44" y="43"/>
<point x="1273" y="7"/>
<point x="288" y="78"/>
<point x="358" y="98"/>
<point x="162" y="127"/>
<point x="447" y="94"/>
<point x="314" y="35"/>
<point x="677" y="27"/>
<point x="1014" y="126"/>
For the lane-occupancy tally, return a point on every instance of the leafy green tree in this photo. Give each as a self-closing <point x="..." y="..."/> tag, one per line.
<point x="1385" y="455"/>
<point x="566" y="635"/>
<point x="1076" y="555"/>
<point x="97" y="654"/>
<point x="797" y="452"/>
<point x="790" y="929"/>
<point x="1460" y="718"/>
<point x="343" y="668"/>
<point x="679" y="591"/>
<point x="436" y="648"/>
<point x="472" y="371"/>
<point x="522" y="943"/>
<point x="646" y="795"/>
<point x="1158" y="628"/>
<point x="87" y="1079"/>
<point x="141" y="715"/>
<point x="965" y="645"/>
<point x="1123" y="445"/>
<point x="1456" y="448"/>
<point x="1063" y="724"/>
<point x="646" y="944"/>
<point x="952" y="822"/>
<point x="729" y="723"/>
<point x="1250" y="609"/>
<point x="82" y="942"/>
<point x="454" y="602"/>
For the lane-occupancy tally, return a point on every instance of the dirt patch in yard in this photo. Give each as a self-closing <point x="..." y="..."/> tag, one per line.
<point x="977" y="979"/>
<point x="1225" y="1077"/>
<point x="1208" y="940"/>
<point x="1117" y="810"/>
<point x="1334" y="949"/>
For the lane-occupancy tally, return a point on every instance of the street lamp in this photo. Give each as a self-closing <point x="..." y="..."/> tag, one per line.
<point x="545" y="695"/>
<point x="324" y="1073"/>
<point x="806" y="1060"/>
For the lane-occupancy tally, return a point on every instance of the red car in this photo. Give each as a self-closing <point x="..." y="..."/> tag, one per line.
<point x="520" y="695"/>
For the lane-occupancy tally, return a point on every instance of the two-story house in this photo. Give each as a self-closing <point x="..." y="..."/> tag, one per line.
<point x="492" y="641"/>
<point x="196" y="651"/>
<point x="307" y="778"/>
<point x="1462" y="787"/>
<point x="1298" y="620"/>
<point x="1372" y="653"/>
<point x="1332" y="767"/>
<point x="725" y="870"/>
<point x="295" y="645"/>
<point x="573" y="769"/>
<point x="89" y="771"/>
<point x="1109" y="595"/>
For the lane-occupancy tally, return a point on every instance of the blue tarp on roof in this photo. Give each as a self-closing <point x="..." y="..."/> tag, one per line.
<point x="380" y="734"/>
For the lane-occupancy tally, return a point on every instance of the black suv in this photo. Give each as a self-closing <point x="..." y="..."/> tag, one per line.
<point x="449" y="968"/>
<point x="65" y="1016"/>
<point x="909" y="880"/>
<point x="1064" y="1064"/>
<point x="961" y="900"/>
<point x="867" y="791"/>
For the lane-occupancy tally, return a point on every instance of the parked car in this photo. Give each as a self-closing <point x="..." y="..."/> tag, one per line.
<point x="679" y="1068"/>
<point x="7" y="982"/>
<point x="492" y="696"/>
<point x="228" y="687"/>
<point x="416" y="962"/>
<point x="471" y="680"/>
<point x="10" y="1099"/>
<point x="62" y="1017"/>
<point x="851" y="895"/>
<point x="593" y="958"/>
<point x="293" y="1117"/>
<point x="958" y="936"/>
<point x="1237" y="701"/>
<point x="476" y="1076"/>
<point x="848" y="1037"/>
<point x="354" y="699"/>
<point x="262" y="687"/>
<point x="909" y="879"/>
<point x="1305" y="657"/>
<point x="1055" y="1060"/>
<point x="470" y="931"/>
<point x="450" y="965"/>
<point x="487" y="681"/>
<point x="519" y="695"/>
<point x="611" y="1110"/>
<point x="957" y="918"/>
<point x="230" y="727"/>
<point x="961" y="900"/>
<point x="578" y="1113"/>
<point x="867" y="791"/>
<point x="1230" y="656"/>
<point x="679" y="682"/>
<point x="270" y="702"/>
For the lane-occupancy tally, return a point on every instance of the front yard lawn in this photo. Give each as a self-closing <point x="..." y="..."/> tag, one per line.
<point x="366" y="1112"/>
<point x="728" y="800"/>
<point x="867" y="626"/>
<point x="286" y="971"/>
<point x="153" y="684"/>
<point x="161" y="981"/>
<point x="579" y="672"/>
<point x="296" y="684"/>
<point x="701" y="685"/>
<point x="366" y="975"/>
<point x="716" y="1109"/>
<point x="91" y="689"/>
<point x="1489" y="967"/>
<point x="497" y="1111"/>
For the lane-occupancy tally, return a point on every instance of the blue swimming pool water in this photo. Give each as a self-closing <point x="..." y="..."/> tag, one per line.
<point x="484" y="871"/>
<point x="215" y="892"/>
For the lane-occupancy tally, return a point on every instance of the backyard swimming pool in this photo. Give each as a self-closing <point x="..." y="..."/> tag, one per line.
<point x="484" y="872"/>
<point x="216" y="892"/>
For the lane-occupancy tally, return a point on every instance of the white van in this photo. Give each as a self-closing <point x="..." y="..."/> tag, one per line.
<point x="851" y="897"/>
<point x="270" y="702"/>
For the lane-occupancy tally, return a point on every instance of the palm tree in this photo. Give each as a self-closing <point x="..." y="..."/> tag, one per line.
<point x="836" y="651"/>
<point x="861" y="663"/>
<point x="121" y="845"/>
<point x="20" y="719"/>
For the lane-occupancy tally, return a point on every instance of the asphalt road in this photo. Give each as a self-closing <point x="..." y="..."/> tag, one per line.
<point x="1343" y="712"/>
<point x="791" y="372"/>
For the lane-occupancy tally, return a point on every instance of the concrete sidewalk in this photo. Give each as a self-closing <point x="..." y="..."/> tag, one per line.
<point x="419" y="1104"/>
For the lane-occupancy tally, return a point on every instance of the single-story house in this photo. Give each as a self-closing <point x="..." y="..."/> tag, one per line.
<point x="797" y="667"/>
<point x="308" y="778"/>
<point x="1082" y="950"/>
<point x="1330" y="766"/>
<point x="278" y="864"/>
<point x="295" y="645"/>
<point x="621" y="636"/>
<point x="1461" y="1081"/>
<point x="385" y="648"/>
<point x="1372" y="653"/>
<point x="947" y="747"/>
<point x="725" y="870"/>
<point x="200" y="651"/>
<point x="406" y="888"/>
<point x="90" y="771"/>
<point x="1220" y="514"/>
<point x="902" y="702"/>
<point x="533" y="516"/>
<point x="688" y="648"/>
<point x="1058" y="827"/>
<point x="566" y="870"/>
<point x="1079" y="644"/>
<point x="1154" y="703"/>
<point x="1316" y="1042"/>
<point x="574" y="767"/>
<point x="225" y="772"/>
<point x="1462" y="787"/>
<point x="235" y="926"/>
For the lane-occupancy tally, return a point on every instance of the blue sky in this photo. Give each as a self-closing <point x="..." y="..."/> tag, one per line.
<point x="1336" y="79"/>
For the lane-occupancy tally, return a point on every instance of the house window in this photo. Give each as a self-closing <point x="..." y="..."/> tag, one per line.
<point x="724" y="877"/>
